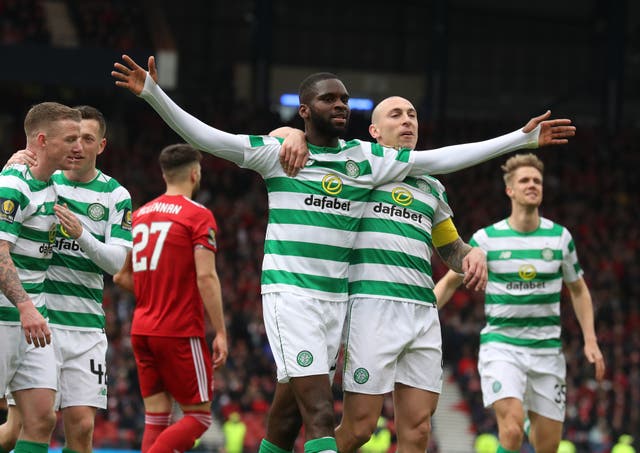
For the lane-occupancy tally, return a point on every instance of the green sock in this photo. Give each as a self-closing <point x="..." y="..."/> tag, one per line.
<point x="68" y="450"/>
<point x="26" y="446"/>
<point x="268" y="447"/>
<point x="319" y="445"/>
<point x="501" y="449"/>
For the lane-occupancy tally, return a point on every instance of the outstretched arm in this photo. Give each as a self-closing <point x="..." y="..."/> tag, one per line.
<point x="143" y="83"/>
<point x="583" y="307"/>
<point x="539" y="131"/>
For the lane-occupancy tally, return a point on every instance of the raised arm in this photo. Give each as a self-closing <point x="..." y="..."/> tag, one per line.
<point x="143" y="83"/>
<point x="583" y="307"/>
<point x="538" y="132"/>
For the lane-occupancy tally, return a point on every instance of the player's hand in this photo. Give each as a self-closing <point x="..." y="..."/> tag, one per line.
<point x="593" y="355"/>
<point x="68" y="221"/>
<point x="552" y="132"/>
<point x="35" y="327"/>
<point x="24" y="156"/>
<point x="474" y="266"/>
<point x="220" y="350"/>
<point x="132" y="76"/>
<point x="294" y="152"/>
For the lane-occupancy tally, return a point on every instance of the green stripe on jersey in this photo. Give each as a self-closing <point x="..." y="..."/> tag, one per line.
<point x="399" y="228"/>
<point x="316" y="219"/>
<point x="70" y="318"/>
<point x="278" y="184"/>
<point x="12" y="314"/>
<point x="390" y="258"/>
<point x="77" y="263"/>
<point x="79" y="207"/>
<point x="72" y="289"/>
<point x="15" y="195"/>
<point x="33" y="288"/>
<point x="525" y="299"/>
<point x="493" y="232"/>
<point x="30" y="263"/>
<point x="514" y="277"/>
<point x="542" y="321"/>
<point x="316" y="282"/>
<point x="529" y="343"/>
<point x="394" y="290"/>
<point x="34" y="235"/>
<point x="307" y="250"/>
<point x="534" y="254"/>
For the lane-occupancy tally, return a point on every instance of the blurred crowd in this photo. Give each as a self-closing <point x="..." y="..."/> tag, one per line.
<point x="590" y="187"/>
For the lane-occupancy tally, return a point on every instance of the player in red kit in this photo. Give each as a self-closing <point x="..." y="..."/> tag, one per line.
<point x="171" y="270"/>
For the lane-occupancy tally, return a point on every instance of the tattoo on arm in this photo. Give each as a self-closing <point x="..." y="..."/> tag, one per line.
<point x="9" y="281"/>
<point x="453" y="253"/>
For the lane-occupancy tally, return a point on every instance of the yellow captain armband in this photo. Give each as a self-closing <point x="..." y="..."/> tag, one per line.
<point x="444" y="233"/>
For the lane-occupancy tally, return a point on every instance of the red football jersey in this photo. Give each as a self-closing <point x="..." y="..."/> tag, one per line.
<point x="165" y="233"/>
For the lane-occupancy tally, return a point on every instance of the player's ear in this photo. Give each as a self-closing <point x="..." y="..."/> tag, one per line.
<point x="303" y="111"/>
<point x="374" y="132"/>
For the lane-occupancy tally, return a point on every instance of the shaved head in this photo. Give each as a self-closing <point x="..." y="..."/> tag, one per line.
<point x="387" y="104"/>
<point x="394" y="123"/>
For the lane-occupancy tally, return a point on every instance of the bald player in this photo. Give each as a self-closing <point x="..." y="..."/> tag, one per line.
<point x="391" y="293"/>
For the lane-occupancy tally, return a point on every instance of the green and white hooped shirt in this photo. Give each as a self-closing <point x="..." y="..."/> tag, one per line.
<point x="392" y="255"/>
<point x="28" y="222"/>
<point x="526" y="271"/>
<point x="74" y="283"/>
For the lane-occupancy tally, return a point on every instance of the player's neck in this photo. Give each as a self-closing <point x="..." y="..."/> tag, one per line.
<point x="319" y="139"/>
<point x="81" y="176"/>
<point x="524" y="219"/>
<point x="179" y="189"/>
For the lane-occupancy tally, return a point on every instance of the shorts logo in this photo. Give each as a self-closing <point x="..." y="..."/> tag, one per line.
<point x="332" y="184"/>
<point x="352" y="169"/>
<point x="304" y="359"/>
<point x="402" y="196"/>
<point x="547" y="254"/>
<point x="496" y="386"/>
<point x="127" y="219"/>
<point x="361" y="375"/>
<point x="527" y="272"/>
<point x="8" y="210"/>
<point x="96" y="211"/>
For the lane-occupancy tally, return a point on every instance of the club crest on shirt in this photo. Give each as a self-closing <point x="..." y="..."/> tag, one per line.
<point x="547" y="254"/>
<point x="423" y="185"/>
<point x="8" y="209"/>
<point x="96" y="211"/>
<point x="352" y="169"/>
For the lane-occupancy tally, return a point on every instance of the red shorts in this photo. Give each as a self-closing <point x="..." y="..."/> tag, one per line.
<point x="177" y="365"/>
